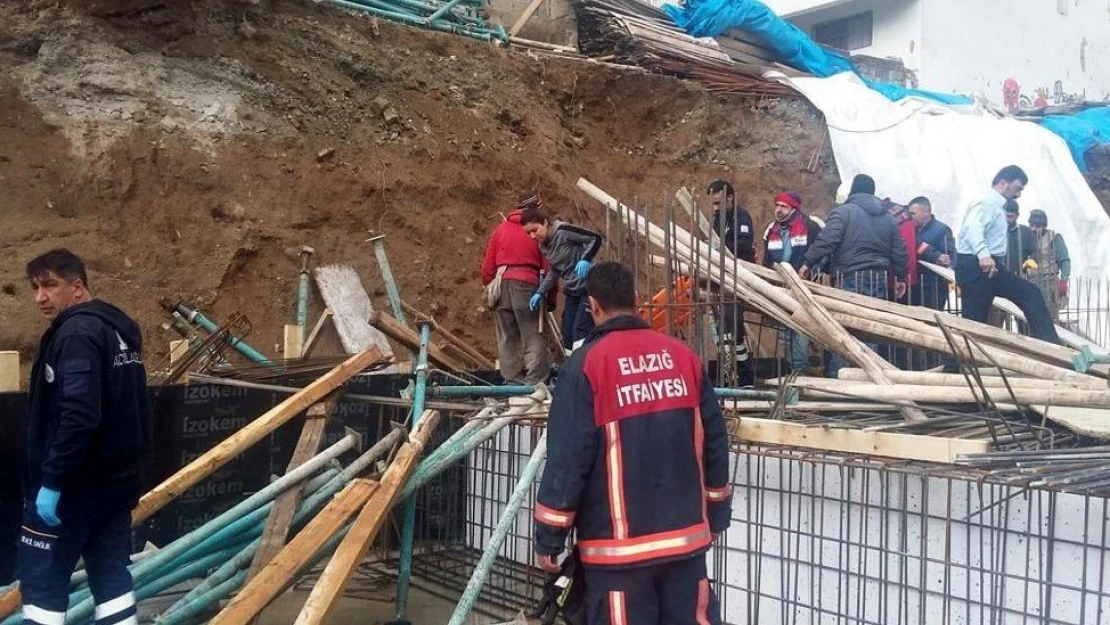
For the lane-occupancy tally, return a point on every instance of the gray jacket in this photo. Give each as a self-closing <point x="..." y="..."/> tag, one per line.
<point x="564" y="247"/>
<point x="860" y="236"/>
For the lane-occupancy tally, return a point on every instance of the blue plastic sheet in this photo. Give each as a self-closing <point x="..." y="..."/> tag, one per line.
<point x="1082" y="131"/>
<point x="709" y="18"/>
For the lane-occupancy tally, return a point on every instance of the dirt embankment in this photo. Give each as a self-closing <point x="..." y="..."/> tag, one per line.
<point x="188" y="150"/>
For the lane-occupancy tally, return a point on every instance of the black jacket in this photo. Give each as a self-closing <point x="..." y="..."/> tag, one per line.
<point x="934" y="239"/>
<point x="637" y="456"/>
<point x="737" y="232"/>
<point x="860" y="235"/>
<point x="1021" y="245"/>
<point x="89" y="423"/>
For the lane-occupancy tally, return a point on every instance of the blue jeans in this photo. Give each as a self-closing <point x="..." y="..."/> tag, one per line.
<point x="871" y="283"/>
<point x="796" y="349"/>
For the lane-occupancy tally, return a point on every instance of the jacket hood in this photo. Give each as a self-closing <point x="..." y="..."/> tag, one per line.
<point x="109" y="314"/>
<point x="515" y="216"/>
<point x="869" y="203"/>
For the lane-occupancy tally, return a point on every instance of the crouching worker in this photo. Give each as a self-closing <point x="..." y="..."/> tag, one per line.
<point x="637" y="465"/>
<point x="88" y="429"/>
<point x="569" y="250"/>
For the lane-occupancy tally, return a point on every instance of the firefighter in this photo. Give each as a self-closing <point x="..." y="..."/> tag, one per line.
<point x="88" y="430"/>
<point x="637" y="465"/>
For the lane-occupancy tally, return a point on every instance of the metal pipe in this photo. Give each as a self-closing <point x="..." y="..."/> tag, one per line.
<point x="457" y="391"/>
<point x="476" y="33"/>
<point x="442" y="10"/>
<point x="404" y="568"/>
<point x="302" y="290"/>
<point x="240" y="346"/>
<point x="387" y="276"/>
<point x="507" y="521"/>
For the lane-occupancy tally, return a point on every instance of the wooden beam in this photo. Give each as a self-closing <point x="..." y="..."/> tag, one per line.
<point x="276" y="530"/>
<point x="9" y="372"/>
<point x="283" y="569"/>
<point x="310" y="342"/>
<point x="178" y="350"/>
<point x="927" y="378"/>
<point x="524" y="17"/>
<point x="887" y="444"/>
<point x="464" y="349"/>
<point x="329" y="587"/>
<point x="411" y="339"/>
<point x="293" y="341"/>
<point x="824" y="388"/>
<point x="250" y="434"/>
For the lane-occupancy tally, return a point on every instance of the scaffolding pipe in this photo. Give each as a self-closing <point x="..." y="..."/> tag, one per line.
<point x="404" y="567"/>
<point x="240" y="346"/>
<point x="378" y="243"/>
<point x="506" y="523"/>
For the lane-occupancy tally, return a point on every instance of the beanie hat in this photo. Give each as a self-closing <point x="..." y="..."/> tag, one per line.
<point x="1037" y="217"/>
<point x="790" y="198"/>
<point x="862" y="183"/>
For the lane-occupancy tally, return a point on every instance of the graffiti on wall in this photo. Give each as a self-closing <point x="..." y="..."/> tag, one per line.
<point x="1014" y="100"/>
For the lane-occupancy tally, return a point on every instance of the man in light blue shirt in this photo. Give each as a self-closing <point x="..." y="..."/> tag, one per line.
<point x="981" y="259"/>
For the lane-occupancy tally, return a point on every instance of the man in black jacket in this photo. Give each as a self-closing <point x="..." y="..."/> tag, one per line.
<point x="733" y="223"/>
<point x="637" y="465"/>
<point x="865" y="246"/>
<point x="88" y="429"/>
<point x="935" y="244"/>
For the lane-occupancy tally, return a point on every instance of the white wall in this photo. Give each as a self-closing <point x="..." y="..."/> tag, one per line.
<point x="973" y="47"/>
<point x="896" y="26"/>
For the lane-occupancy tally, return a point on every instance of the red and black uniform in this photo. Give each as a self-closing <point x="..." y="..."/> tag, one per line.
<point x="637" y="464"/>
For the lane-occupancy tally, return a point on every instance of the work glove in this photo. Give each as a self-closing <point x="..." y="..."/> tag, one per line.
<point x="534" y="302"/>
<point x="563" y="592"/>
<point x="46" y="504"/>
<point x="582" y="268"/>
<point x="1062" y="288"/>
<point x="1029" y="265"/>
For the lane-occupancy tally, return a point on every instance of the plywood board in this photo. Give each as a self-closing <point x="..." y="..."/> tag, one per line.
<point x="345" y="296"/>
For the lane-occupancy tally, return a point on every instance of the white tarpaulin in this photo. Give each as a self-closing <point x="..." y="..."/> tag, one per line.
<point x="918" y="147"/>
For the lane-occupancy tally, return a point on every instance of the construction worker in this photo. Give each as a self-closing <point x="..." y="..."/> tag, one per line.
<point x="569" y="250"/>
<point x="1053" y="264"/>
<point x="637" y="465"/>
<point x="907" y="229"/>
<point x="935" y="244"/>
<point x="1021" y="245"/>
<point x="786" y="241"/>
<point x="981" y="271"/>
<point x="89" y="427"/>
<point x="512" y="265"/>
<point x="733" y="224"/>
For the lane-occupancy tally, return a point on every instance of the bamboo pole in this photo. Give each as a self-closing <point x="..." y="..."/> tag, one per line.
<point x="927" y="378"/>
<point x="329" y="587"/>
<point x="250" y="434"/>
<point x="823" y="388"/>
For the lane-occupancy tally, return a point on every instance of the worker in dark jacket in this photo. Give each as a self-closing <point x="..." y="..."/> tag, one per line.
<point x="637" y="465"/>
<point x="865" y="246"/>
<point x="1021" y="243"/>
<point x="935" y="244"/>
<point x="89" y="428"/>
<point x="786" y="241"/>
<point x="733" y="224"/>
<point x="569" y="250"/>
<point x="515" y="259"/>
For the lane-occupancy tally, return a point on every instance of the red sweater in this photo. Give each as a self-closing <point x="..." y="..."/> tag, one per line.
<point x="909" y="235"/>
<point x="509" y="245"/>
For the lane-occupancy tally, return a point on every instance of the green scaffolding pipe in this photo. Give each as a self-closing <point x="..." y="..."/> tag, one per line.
<point x="404" y="568"/>
<point x="506" y="523"/>
<point x="442" y="10"/>
<point x="412" y="20"/>
<point x="387" y="274"/>
<point x="416" y="8"/>
<point x="240" y="346"/>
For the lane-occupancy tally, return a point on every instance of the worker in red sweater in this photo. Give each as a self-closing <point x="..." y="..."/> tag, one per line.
<point x="511" y="272"/>
<point x="908" y="229"/>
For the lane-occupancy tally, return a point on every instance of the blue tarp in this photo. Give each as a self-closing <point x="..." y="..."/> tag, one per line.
<point x="1082" y="131"/>
<point x="709" y="18"/>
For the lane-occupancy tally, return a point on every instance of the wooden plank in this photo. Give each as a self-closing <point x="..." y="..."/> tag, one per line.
<point x="823" y="388"/>
<point x="886" y="444"/>
<point x="250" y="434"/>
<point x="329" y="587"/>
<point x="310" y="342"/>
<point x="410" y="339"/>
<point x="293" y="340"/>
<point x="524" y="17"/>
<point x="276" y="530"/>
<point x="9" y="372"/>
<point x="178" y="350"/>
<point x="927" y="378"/>
<point x="342" y="291"/>
<point x="464" y="349"/>
<point x="283" y="569"/>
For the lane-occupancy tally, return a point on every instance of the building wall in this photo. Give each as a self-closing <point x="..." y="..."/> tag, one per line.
<point x="1054" y="51"/>
<point x="896" y="26"/>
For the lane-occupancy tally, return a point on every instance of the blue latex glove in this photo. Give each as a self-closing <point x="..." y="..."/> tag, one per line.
<point x="46" y="503"/>
<point x="582" y="268"/>
<point x="534" y="303"/>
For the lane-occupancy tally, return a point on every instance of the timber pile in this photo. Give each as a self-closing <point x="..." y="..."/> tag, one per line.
<point x="840" y="320"/>
<point x="636" y="33"/>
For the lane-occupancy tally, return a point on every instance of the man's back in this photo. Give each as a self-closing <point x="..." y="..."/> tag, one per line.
<point x="860" y="235"/>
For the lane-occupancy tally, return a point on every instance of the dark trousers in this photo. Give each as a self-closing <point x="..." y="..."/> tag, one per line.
<point x="676" y="593"/>
<point x="96" y="527"/>
<point x="577" y="321"/>
<point x="978" y="292"/>
<point x="734" y="339"/>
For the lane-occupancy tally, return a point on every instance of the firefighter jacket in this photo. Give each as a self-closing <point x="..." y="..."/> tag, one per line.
<point x="799" y="231"/>
<point x="637" y="457"/>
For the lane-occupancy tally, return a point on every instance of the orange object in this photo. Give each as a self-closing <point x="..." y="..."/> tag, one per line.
<point x="681" y="303"/>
